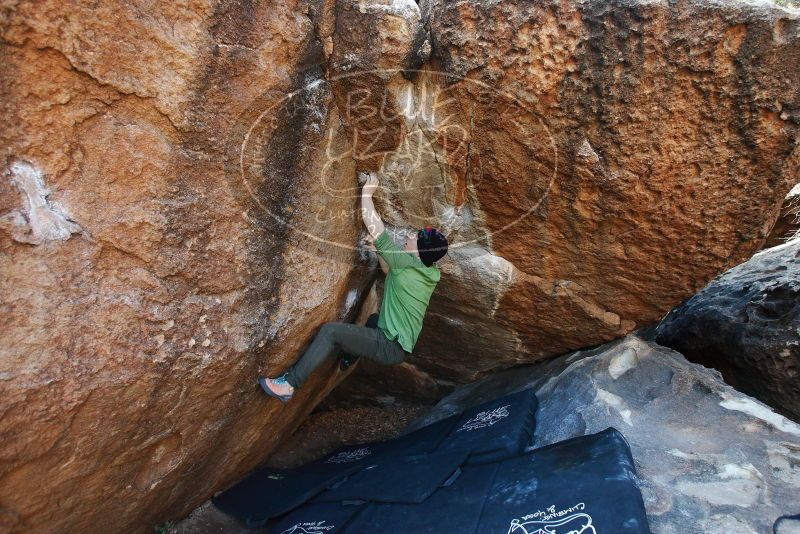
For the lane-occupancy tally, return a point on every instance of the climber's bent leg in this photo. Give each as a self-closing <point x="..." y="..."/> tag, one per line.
<point x="355" y="340"/>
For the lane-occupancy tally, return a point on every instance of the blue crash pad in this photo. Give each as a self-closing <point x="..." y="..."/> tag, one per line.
<point x="269" y="493"/>
<point x="495" y="430"/>
<point x="346" y="457"/>
<point x="582" y="485"/>
<point x="423" y="440"/>
<point x="406" y="469"/>
<point x="323" y="518"/>
<point x="402" y="479"/>
<point x="455" y="508"/>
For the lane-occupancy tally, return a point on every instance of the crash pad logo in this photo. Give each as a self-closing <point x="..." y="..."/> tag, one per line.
<point x="484" y="419"/>
<point x="309" y="527"/>
<point x="568" y="521"/>
<point x="349" y="456"/>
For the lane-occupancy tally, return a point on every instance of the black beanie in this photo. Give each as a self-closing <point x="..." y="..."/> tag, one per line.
<point x="431" y="244"/>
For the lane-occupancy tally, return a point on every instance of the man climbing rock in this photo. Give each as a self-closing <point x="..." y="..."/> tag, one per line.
<point x="411" y="276"/>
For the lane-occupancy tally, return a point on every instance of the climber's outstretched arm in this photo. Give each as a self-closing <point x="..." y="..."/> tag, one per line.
<point x="371" y="218"/>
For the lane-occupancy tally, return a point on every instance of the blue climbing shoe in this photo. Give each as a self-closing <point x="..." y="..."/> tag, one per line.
<point x="277" y="387"/>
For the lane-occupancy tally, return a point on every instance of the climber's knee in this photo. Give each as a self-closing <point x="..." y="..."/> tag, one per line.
<point x="327" y="331"/>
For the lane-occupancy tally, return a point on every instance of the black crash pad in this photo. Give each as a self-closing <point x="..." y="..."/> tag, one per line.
<point x="269" y="493"/>
<point x="495" y="430"/>
<point x="423" y="440"/>
<point x="400" y="479"/>
<point x="411" y="466"/>
<point x="347" y="457"/>
<point x="455" y="508"/>
<point x="582" y="485"/>
<point x="322" y="518"/>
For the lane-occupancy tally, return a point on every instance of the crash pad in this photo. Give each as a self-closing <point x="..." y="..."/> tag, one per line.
<point x="403" y="470"/>
<point x="269" y="493"/>
<point x="495" y="430"/>
<point x="455" y="508"/>
<point x="397" y="479"/>
<point x="581" y="485"/>
<point x="347" y="457"/>
<point x="423" y="440"/>
<point x="327" y="518"/>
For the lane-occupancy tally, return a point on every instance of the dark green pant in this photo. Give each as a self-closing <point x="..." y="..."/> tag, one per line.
<point x="352" y="339"/>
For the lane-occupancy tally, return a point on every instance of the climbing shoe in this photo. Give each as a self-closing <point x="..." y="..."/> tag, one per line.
<point x="277" y="387"/>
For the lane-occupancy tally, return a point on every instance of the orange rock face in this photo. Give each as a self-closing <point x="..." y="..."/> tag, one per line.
<point x="179" y="208"/>
<point x="594" y="164"/>
<point x="146" y="279"/>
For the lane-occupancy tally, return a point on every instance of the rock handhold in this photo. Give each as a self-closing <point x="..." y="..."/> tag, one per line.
<point x="746" y="323"/>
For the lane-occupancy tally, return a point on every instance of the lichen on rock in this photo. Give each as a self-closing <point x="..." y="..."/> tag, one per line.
<point x="38" y="219"/>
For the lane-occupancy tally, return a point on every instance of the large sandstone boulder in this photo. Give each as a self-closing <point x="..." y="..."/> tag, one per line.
<point x="594" y="164"/>
<point x="710" y="460"/>
<point x="746" y="323"/>
<point x="178" y="209"/>
<point x="145" y="281"/>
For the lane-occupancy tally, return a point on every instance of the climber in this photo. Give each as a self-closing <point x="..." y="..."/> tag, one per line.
<point x="411" y="276"/>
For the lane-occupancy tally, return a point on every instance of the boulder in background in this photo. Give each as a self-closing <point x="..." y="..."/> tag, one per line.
<point x="746" y="323"/>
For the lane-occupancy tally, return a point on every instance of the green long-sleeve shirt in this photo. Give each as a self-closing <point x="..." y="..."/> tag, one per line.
<point x="406" y="292"/>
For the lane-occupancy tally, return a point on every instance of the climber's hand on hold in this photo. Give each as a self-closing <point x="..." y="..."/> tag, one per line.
<point x="369" y="243"/>
<point x="371" y="185"/>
